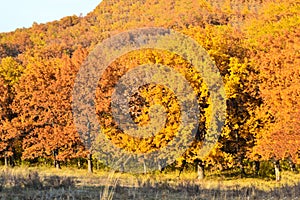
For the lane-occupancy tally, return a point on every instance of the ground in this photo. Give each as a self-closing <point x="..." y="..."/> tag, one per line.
<point x="70" y="183"/>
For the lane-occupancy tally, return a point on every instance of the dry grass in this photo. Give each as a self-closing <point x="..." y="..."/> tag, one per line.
<point x="45" y="183"/>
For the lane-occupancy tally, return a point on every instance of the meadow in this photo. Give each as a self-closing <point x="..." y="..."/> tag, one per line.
<point x="71" y="183"/>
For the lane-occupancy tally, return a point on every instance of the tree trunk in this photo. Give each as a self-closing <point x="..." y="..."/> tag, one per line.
<point x="277" y="170"/>
<point x="90" y="163"/>
<point x="241" y="166"/>
<point x="97" y="165"/>
<point x="79" y="163"/>
<point x="145" y="167"/>
<point x="242" y="170"/>
<point x="256" y="167"/>
<point x="122" y="167"/>
<point x="182" y="167"/>
<point x="200" y="170"/>
<point x="6" y="161"/>
<point x="292" y="166"/>
<point x="57" y="164"/>
<point x="11" y="161"/>
<point x="159" y="166"/>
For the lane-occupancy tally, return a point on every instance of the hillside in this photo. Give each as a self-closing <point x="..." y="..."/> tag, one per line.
<point x="114" y="16"/>
<point x="254" y="45"/>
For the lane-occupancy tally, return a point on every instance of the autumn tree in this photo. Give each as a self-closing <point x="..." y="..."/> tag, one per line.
<point x="43" y="105"/>
<point x="10" y="72"/>
<point x="276" y="55"/>
<point x="225" y="46"/>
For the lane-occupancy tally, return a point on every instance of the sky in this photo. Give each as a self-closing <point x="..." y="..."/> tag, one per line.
<point x="22" y="13"/>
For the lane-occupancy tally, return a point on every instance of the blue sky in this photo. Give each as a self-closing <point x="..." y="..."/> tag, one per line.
<point x="22" y="13"/>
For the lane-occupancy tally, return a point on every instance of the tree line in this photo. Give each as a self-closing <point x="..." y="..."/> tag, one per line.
<point x="253" y="44"/>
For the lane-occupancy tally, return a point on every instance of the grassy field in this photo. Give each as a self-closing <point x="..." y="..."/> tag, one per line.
<point x="68" y="183"/>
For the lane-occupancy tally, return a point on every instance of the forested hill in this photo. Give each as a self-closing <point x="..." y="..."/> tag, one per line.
<point x="254" y="44"/>
<point x="113" y="16"/>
